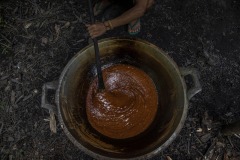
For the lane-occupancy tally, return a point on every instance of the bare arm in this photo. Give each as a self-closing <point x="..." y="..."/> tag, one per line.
<point x="134" y="13"/>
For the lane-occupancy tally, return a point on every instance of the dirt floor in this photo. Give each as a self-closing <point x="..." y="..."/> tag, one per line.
<point x="38" y="38"/>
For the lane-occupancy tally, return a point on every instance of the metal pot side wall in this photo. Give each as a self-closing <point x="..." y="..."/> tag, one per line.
<point x="98" y="148"/>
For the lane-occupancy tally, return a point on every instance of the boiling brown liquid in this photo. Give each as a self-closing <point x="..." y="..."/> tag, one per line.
<point x="126" y="107"/>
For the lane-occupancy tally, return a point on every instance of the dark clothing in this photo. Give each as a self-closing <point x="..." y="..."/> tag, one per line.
<point x="126" y="4"/>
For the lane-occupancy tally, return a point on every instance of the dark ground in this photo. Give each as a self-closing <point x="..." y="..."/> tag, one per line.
<point x="38" y="38"/>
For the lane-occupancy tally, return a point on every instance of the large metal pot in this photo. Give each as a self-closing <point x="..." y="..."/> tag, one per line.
<point x="173" y="98"/>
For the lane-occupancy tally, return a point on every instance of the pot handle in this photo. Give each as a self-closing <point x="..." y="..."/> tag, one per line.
<point x="196" y="88"/>
<point x="45" y="104"/>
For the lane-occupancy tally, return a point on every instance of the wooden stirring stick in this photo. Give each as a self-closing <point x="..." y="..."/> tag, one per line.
<point x="97" y="54"/>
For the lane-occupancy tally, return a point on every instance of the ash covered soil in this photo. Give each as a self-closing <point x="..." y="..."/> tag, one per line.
<point x="38" y="38"/>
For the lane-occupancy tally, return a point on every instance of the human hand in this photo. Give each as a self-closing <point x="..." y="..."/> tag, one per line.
<point x="96" y="29"/>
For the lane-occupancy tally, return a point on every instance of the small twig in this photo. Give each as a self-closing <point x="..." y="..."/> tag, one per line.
<point x="210" y="150"/>
<point x="4" y="50"/>
<point x="4" y="45"/>
<point x="78" y="18"/>
<point x="4" y="155"/>
<point x="5" y="38"/>
<point x="1" y="127"/>
<point x="27" y="37"/>
<point x="42" y="24"/>
<point x="230" y="141"/>
<point x="237" y="135"/>
<point x="200" y="153"/>
<point x="18" y="141"/>
<point x="217" y="157"/>
<point x="34" y="5"/>
<point x="11" y="27"/>
<point x="231" y="129"/>
<point x="49" y="145"/>
<point x="198" y="139"/>
<point x="49" y="6"/>
<point x="188" y="144"/>
<point x="233" y="146"/>
<point x="31" y="66"/>
<point x="27" y="97"/>
<point x="13" y="126"/>
<point x="41" y="79"/>
<point x="20" y="9"/>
